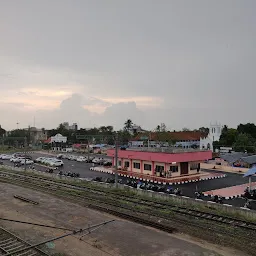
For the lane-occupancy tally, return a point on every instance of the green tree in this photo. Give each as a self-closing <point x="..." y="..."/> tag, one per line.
<point x="248" y="128"/>
<point x="158" y="128"/>
<point x="128" y="124"/>
<point x="185" y="129"/>
<point x="2" y="131"/>
<point x="228" y="137"/>
<point x="244" y="142"/>
<point x="204" y="130"/>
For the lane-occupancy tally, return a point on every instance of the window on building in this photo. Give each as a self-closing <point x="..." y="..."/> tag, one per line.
<point x="159" y="168"/>
<point x="147" y="167"/>
<point x="193" y="166"/>
<point x="174" y="168"/>
<point x="126" y="164"/>
<point x="136" y="165"/>
<point x="119" y="163"/>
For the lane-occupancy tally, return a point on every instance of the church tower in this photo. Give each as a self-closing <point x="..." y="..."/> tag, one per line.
<point x="215" y="131"/>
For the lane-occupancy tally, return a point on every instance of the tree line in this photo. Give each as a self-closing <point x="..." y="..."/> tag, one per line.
<point x="241" y="139"/>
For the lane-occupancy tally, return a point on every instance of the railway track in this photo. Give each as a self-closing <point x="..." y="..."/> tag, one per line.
<point x="100" y="197"/>
<point x="9" y="243"/>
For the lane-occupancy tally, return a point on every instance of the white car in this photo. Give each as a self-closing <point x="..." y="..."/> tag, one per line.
<point x="39" y="159"/>
<point x="46" y="160"/>
<point x="96" y="160"/>
<point x="81" y="159"/>
<point x="18" y="159"/>
<point x="56" y="163"/>
<point x="6" y="157"/>
<point x="12" y="159"/>
<point x="26" y="161"/>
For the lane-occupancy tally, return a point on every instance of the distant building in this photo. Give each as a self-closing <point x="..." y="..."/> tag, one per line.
<point x="36" y="135"/>
<point x="184" y="139"/>
<point x="214" y="135"/>
<point x="177" y="139"/>
<point x="73" y="127"/>
<point x="57" y="142"/>
<point x="158" y="163"/>
<point x="135" y="129"/>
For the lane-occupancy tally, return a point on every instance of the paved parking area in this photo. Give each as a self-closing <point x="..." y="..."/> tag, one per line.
<point x="230" y="192"/>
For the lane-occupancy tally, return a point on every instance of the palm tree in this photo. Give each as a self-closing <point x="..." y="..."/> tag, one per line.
<point x="128" y="124"/>
<point x="158" y="128"/>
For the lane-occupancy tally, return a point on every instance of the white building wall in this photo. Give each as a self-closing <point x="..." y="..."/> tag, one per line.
<point x="214" y="135"/>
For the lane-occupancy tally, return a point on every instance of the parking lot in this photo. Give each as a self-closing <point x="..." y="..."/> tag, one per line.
<point x="187" y="189"/>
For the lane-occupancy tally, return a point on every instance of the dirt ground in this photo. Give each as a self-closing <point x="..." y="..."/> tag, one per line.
<point x="121" y="237"/>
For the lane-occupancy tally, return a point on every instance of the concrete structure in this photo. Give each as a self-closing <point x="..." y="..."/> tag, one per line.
<point x="160" y="164"/>
<point x="135" y="129"/>
<point x="159" y="139"/>
<point x="35" y="135"/>
<point x="214" y="135"/>
<point x="73" y="127"/>
<point x="186" y="139"/>
<point x="58" y="142"/>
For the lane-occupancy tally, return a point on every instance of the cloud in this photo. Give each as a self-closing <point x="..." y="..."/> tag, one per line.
<point x="182" y="64"/>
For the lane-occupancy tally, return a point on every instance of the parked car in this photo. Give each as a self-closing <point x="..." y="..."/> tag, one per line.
<point x="18" y="159"/>
<point x="56" y="163"/>
<point x="101" y="161"/>
<point x="89" y="159"/>
<point x="39" y="159"/>
<point x="96" y="160"/>
<point x="107" y="163"/>
<point x="6" y="157"/>
<point x="26" y="161"/>
<point x="81" y="159"/>
<point x="71" y="157"/>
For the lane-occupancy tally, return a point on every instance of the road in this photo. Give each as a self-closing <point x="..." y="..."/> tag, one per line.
<point x="188" y="189"/>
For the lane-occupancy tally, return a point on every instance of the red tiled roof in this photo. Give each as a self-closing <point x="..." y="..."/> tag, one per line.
<point x="48" y="140"/>
<point x="178" y="136"/>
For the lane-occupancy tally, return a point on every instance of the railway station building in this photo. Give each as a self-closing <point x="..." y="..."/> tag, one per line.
<point x="166" y="163"/>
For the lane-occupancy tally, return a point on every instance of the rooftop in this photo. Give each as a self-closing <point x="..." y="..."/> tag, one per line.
<point x="178" y="136"/>
<point x="166" y="150"/>
<point x="163" y="157"/>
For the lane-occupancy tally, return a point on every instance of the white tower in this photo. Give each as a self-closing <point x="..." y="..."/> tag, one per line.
<point x="215" y="131"/>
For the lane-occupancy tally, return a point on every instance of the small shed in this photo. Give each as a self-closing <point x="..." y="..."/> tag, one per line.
<point x="232" y="158"/>
<point x="248" y="161"/>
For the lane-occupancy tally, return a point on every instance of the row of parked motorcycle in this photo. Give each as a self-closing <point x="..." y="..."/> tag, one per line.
<point x="168" y="189"/>
<point x="249" y="194"/>
<point x="69" y="174"/>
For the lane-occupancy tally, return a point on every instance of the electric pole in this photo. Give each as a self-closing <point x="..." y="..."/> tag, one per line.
<point x="25" y="153"/>
<point x="116" y="160"/>
<point x="88" y="150"/>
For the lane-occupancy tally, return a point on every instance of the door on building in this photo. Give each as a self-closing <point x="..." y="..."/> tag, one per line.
<point x="184" y="168"/>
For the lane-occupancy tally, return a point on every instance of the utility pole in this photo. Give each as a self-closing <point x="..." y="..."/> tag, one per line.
<point x="88" y="150"/>
<point x="25" y="153"/>
<point x="116" y="160"/>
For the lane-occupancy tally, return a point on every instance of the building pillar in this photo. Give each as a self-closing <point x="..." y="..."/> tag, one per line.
<point x="141" y="167"/>
<point x="131" y="165"/>
<point x="153" y="168"/>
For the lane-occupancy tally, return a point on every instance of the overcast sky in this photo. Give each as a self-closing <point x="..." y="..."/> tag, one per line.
<point x="99" y="62"/>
